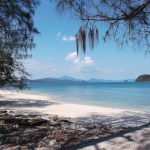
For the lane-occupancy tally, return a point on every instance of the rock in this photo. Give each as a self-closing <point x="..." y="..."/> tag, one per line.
<point x="15" y="126"/>
<point x="52" y="143"/>
<point x="11" y="111"/>
<point x="66" y="121"/>
<point x="37" y="122"/>
<point x="82" y="129"/>
<point x="3" y="111"/>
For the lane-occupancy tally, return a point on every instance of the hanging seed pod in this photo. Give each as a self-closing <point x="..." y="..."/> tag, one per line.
<point x="91" y="37"/>
<point x="97" y="35"/>
<point x="83" y="38"/>
<point x="77" y="42"/>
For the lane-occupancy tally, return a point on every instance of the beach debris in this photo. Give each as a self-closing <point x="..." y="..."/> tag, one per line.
<point x="32" y="132"/>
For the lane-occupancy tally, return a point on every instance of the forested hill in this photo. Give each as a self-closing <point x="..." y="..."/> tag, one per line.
<point x="143" y="78"/>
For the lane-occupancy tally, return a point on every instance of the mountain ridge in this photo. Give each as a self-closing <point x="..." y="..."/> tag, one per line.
<point x="69" y="79"/>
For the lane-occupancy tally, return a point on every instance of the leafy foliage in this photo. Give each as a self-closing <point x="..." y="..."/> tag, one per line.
<point x="122" y="20"/>
<point x="16" y="39"/>
<point x="12" y="72"/>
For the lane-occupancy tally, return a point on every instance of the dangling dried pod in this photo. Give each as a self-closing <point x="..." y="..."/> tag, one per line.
<point x="77" y="42"/>
<point x="91" y="37"/>
<point x="83" y="37"/>
<point x="97" y="35"/>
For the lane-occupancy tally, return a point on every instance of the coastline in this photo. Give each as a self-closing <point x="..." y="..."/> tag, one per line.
<point x="41" y="123"/>
<point x="46" y="104"/>
<point x="26" y="103"/>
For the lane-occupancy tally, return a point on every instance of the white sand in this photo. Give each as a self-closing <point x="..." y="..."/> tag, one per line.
<point x="60" y="109"/>
<point x="12" y="95"/>
<point x="26" y="102"/>
<point x="77" y="110"/>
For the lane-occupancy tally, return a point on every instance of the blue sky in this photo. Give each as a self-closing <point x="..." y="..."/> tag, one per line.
<point x="55" y="52"/>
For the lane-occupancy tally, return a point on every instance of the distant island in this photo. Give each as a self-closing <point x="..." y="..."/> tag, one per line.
<point x="72" y="80"/>
<point x="143" y="78"/>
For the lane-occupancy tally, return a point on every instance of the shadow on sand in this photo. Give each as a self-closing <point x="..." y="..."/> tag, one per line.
<point x="26" y="103"/>
<point x="23" y="102"/>
<point x="132" y="122"/>
<point x="124" y="119"/>
<point x="129" y="135"/>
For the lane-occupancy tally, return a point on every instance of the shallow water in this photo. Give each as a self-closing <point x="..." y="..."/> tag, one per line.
<point x="118" y="95"/>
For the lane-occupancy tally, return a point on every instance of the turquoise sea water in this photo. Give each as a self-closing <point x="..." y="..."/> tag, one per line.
<point x="118" y="95"/>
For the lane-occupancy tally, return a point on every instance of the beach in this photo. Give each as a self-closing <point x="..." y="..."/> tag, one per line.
<point x="44" y="104"/>
<point x="33" y="104"/>
<point x="28" y="102"/>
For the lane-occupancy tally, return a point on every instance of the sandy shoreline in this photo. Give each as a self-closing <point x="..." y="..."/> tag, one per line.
<point x="52" y="107"/>
<point x="24" y="102"/>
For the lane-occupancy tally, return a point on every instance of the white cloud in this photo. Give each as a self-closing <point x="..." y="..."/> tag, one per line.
<point x="71" y="38"/>
<point x="65" y="38"/>
<point x="72" y="57"/>
<point x="87" y="61"/>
